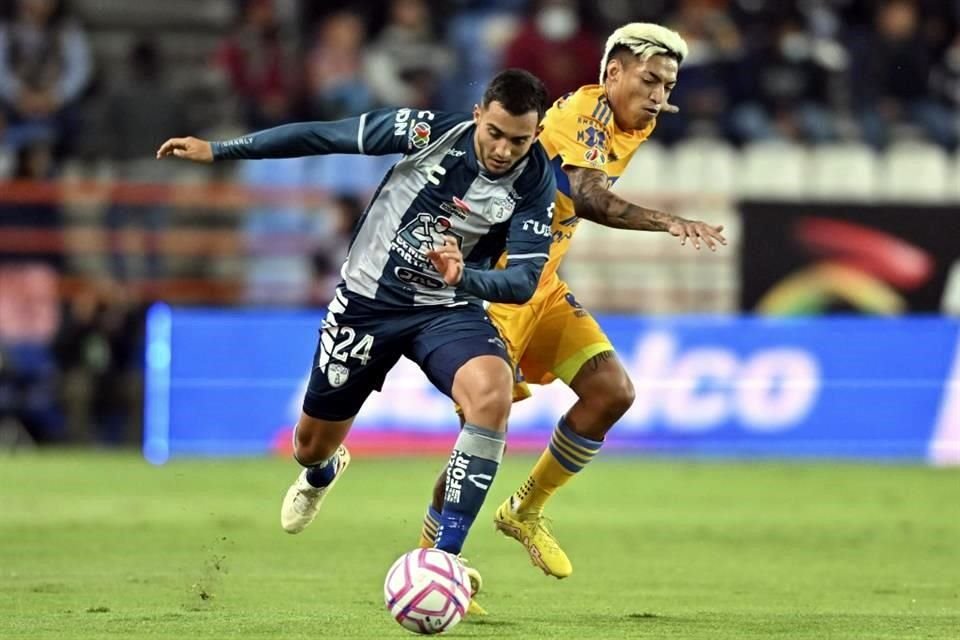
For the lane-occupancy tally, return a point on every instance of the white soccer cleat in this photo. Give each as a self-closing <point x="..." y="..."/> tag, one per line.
<point x="303" y="500"/>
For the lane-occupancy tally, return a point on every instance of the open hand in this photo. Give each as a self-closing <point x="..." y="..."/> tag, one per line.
<point x="697" y="231"/>
<point x="448" y="261"/>
<point x="188" y="148"/>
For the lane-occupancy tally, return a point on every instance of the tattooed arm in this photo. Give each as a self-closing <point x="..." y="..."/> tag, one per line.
<point x="594" y="201"/>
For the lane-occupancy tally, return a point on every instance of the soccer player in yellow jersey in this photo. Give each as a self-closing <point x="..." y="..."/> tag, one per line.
<point x="590" y="136"/>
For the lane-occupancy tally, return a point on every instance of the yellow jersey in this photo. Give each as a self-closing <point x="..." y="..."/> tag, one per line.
<point x="579" y="131"/>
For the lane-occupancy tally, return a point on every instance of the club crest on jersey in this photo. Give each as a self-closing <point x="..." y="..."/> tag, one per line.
<point x="502" y="208"/>
<point x="337" y="374"/>
<point x="420" y="135"/>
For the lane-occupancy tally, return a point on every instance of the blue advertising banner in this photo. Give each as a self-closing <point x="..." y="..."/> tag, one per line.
<point x="231" y="382"/>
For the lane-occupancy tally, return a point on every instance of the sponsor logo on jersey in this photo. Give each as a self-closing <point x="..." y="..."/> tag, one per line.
<point x="457" y="207"/>
<point x="537" y="228"/>
<point x="592" y="136"/>
<point x="595" y="157"/>
<point x="411" y="244"/>
<point x="418" y="278"/>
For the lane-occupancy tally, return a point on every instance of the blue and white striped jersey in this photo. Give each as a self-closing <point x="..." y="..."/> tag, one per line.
<point x="437" y="188"/>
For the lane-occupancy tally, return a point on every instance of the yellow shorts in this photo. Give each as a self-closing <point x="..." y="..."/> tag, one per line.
<point x="550" y="337"/>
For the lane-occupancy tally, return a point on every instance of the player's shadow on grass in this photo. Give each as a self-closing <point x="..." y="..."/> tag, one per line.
<point x="486" y="622"/>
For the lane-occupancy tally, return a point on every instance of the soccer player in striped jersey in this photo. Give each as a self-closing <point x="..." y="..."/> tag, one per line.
<point x="465" y="191"/>
<point x="589" y="135"/>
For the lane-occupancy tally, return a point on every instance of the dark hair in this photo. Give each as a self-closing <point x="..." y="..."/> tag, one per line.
<point x="519" y="92"/>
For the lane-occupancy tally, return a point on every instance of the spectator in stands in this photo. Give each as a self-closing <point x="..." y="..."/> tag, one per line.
<point x="892" y="79"/>
<point x="45" y="66"/>
<point x="30" y="305"/>
<point x="262" y="73"/>
<point x="40" y="224"/>
<point x="96" y="350"/>
<point x="715" y="52"/>
<point x="336" y="85"/>
<point x="7" y="151"/>
<point x="784" y="87"/>
<point x="554" y="45"/>
<point x="331" y="252"/>
<point x="139" y="109"/>
<point x="406" y="63"/>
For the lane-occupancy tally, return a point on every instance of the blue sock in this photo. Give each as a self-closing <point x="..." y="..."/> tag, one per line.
<point x="470" y="472"/>
<point x="322" y="474"/>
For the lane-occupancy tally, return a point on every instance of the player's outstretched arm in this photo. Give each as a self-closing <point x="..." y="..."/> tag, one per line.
<point x="188" y="148"/>
<point x="378" y="132"/>
<point x="594" y="201"/>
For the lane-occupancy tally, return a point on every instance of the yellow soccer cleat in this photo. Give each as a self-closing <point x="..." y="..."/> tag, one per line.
<point x="532" y="532"/>
<point x="476" y="582"/>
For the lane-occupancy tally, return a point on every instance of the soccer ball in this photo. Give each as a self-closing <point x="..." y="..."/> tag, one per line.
<point x="427" y="591"/>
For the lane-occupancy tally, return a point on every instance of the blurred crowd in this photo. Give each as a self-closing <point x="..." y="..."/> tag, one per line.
<point x="807" y="71"/>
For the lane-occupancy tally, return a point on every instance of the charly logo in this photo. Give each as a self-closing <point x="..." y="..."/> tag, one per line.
<point x="337" y="374"/>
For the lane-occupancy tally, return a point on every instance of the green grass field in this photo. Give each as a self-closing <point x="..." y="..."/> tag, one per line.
<point x="106" y="546"/>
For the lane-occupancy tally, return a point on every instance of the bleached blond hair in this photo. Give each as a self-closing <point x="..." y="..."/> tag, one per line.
<point x="645" y="40"/>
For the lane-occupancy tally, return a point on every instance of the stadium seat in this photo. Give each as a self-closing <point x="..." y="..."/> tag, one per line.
<point x="843" y="172"/>
<point x="646" y="169"/>
<point x="954" y="194"/>
<point x="914" y="171"/>
<point x="773" y="170"/>
<point x="701" y="166"/>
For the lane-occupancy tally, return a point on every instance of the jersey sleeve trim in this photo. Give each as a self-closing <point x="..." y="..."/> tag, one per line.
<point x="363" y="123"/>
<point x="527" y="256"/>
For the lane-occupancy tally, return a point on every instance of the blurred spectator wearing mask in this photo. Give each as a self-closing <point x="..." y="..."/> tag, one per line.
<point x="140" y="108"/>
<point x="259" y="68"/>
<point x="892" y="79"/>
<point x="336" y="85"/>
<point x="406" y="64"/>
<point x="45" y="66"/>
<point x="554" y="45"/>
<point x="784" y="86"/>
<point x="703" y="93"/>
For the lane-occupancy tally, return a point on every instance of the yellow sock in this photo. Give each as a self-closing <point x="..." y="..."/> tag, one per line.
<point x="566" y="455"/>
<point x="428" y="533"/>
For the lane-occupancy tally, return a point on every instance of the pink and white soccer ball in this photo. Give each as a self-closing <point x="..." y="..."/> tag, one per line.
<point x="427" y="591"/>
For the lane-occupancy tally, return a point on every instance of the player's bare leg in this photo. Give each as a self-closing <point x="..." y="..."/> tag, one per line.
<point x="604" y="394"/>
<point x="318" y="447"/>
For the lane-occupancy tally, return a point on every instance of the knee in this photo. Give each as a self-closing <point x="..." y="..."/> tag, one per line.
<point x="484" y="390"/>
<point x="310" y="446"/>
<point x="488" y="404"/>
<point x="621" y="396"/>
<point x="612" y="397"/>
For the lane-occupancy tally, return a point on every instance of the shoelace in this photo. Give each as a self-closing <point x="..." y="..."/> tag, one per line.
<point x="541" y="521"/>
